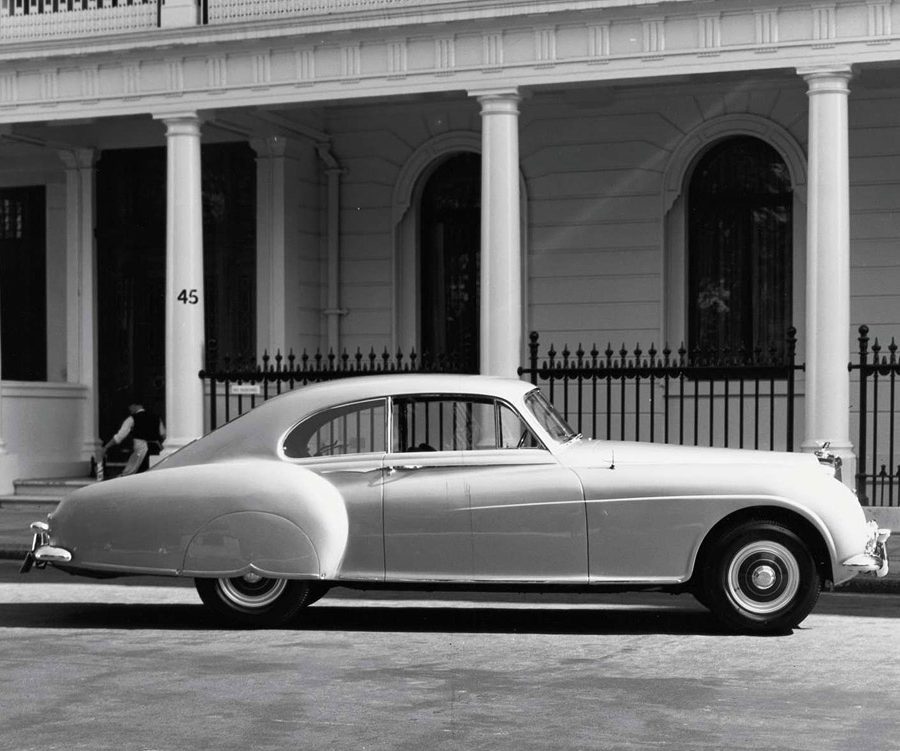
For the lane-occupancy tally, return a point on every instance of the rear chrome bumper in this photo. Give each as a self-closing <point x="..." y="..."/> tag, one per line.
<point x="875" y="559"/>
<point x="42" y="552"/>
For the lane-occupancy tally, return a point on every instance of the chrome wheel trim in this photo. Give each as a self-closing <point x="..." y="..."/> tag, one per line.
<point x="763" y="577"/>
<point x="251" y="591"/>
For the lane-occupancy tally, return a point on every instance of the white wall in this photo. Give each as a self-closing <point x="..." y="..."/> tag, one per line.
<point x="593" y="160"/>
<point x="42" y="429"/>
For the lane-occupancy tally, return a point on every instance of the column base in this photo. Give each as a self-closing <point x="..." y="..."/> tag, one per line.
<point x="90" y="449"/>
<point x="171" y="445"/>
<point x="9" y="471"/>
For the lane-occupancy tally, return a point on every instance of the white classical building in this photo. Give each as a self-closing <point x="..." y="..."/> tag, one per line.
<point x="283" y="174"/>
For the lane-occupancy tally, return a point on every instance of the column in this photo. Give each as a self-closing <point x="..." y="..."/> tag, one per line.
<point x="81" y="253"/>
<point x="501" y="263"/>
<point x="333" y="309"/>
<point x="271" y="233"/>
<point x="185" y="332"/>
<point x="828" y="265"/>
<point x="288" y="240"/>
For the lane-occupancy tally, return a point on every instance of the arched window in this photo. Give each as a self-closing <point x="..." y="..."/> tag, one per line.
<point x="450" y="244"/>
<point x="740" y="227"/>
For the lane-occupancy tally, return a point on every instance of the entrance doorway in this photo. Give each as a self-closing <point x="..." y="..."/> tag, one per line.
<point x="450" y="250"/>
<point x="23" y="283"/>
<point x="131" y="254"/>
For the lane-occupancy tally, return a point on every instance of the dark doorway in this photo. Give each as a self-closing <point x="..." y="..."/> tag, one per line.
<point x="740" y="248"/>
<point x="450" y="257"/>
<point x="131" y="251"/>
<point x="23" y="283"/>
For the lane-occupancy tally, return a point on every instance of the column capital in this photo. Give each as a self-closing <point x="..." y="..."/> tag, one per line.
<point x="497" y="94"/>
<point x="276" y="146"/>
<point x="77" y="159"/>
<point x="824" y="79"/>
<point x="184" y="123"/>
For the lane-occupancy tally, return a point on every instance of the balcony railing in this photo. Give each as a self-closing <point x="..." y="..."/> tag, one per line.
<point x="27" y="20"/>
<point x="231" y="11"/>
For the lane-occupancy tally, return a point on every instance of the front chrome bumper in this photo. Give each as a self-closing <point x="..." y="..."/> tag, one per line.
<point x="875" y="559"/>
<point x="42" y="552"/>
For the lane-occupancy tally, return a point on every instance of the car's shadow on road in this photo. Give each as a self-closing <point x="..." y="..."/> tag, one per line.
<point x="325" y="617"/>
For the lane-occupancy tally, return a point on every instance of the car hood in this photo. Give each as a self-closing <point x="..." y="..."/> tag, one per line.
<point x="593" y="453"/>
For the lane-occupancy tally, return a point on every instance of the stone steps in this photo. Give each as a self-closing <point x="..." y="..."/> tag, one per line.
<point x="41" y="493"/>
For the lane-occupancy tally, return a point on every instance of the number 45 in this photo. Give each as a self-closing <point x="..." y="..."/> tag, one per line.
<point x="188" y="297"/>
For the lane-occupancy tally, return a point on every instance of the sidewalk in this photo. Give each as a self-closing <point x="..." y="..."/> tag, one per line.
<point x="15" y="541"/>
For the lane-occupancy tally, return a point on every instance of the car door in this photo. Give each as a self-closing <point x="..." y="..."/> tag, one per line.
<point x="427" y="526"/>
<point x="470" y="494"/>
<point x="528" y="516"/>
<point x="346" y="445"/>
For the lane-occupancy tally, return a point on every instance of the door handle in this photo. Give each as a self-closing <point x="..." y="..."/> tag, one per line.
<point x="394" y="468"/>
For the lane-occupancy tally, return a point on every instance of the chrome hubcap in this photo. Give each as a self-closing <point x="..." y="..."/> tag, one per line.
<point x="251" y="591"/>
<point x="763" y="577"/>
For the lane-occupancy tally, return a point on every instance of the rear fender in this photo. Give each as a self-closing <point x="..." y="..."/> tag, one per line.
<point x="252" y="541"/>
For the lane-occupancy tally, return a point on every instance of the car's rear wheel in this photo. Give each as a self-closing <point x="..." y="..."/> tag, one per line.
<point x="761" y="577"/>
<point x="253" y="600"/>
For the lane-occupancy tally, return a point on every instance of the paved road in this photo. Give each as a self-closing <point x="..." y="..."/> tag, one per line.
<point x="113" y="666"/>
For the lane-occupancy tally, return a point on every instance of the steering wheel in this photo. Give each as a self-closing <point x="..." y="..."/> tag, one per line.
<point x="523" y="439"/>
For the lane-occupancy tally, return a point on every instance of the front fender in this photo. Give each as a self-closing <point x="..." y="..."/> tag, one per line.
<point x="648" y="523"/>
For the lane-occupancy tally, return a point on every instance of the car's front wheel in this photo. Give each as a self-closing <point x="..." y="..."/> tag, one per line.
<point x="253" y="600"/>
<point x="761" y="577"/>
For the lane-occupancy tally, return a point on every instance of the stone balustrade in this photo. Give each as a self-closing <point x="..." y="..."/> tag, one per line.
<point x="31" y="21"/>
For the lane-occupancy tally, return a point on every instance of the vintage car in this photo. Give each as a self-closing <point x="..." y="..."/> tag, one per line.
<point x="442" y="481"/>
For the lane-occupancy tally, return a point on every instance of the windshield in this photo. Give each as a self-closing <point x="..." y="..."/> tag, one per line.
<point x="548" y="417"/>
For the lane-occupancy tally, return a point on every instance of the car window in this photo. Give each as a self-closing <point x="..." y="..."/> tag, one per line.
<point x="546" y="414"/>
<point x="514" y="432"/>
<point x="351" y="429"/>
<point x="463" y="423"/>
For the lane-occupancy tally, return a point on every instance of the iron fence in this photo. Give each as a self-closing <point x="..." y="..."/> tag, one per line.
<point x="697" y="398"/>
<point x="878" y="470"/>
<point x="235" y="385"/>
<point x="701" y="397"/>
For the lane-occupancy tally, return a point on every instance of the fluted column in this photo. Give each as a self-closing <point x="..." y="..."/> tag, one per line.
<point x="185" y="325"/>
<point x="828" y="264"/>
<point x="501" y="263"/>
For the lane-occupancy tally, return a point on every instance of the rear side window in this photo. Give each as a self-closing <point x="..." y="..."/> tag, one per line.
<point x="351" y="429"/>
<point x="457" y="423"/>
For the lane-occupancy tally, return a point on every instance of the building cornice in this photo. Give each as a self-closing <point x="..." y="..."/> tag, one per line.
<point x="209" y="68"/>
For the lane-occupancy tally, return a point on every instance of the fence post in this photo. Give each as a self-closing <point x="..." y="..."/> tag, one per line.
<point x="863" y="415"/>
<point x="533" y="355"/>
<point x="791" y="358"/>
<point x="212" y="356"/>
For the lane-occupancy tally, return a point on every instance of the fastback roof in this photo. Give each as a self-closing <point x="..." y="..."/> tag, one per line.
<point x="256" y="433"/>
